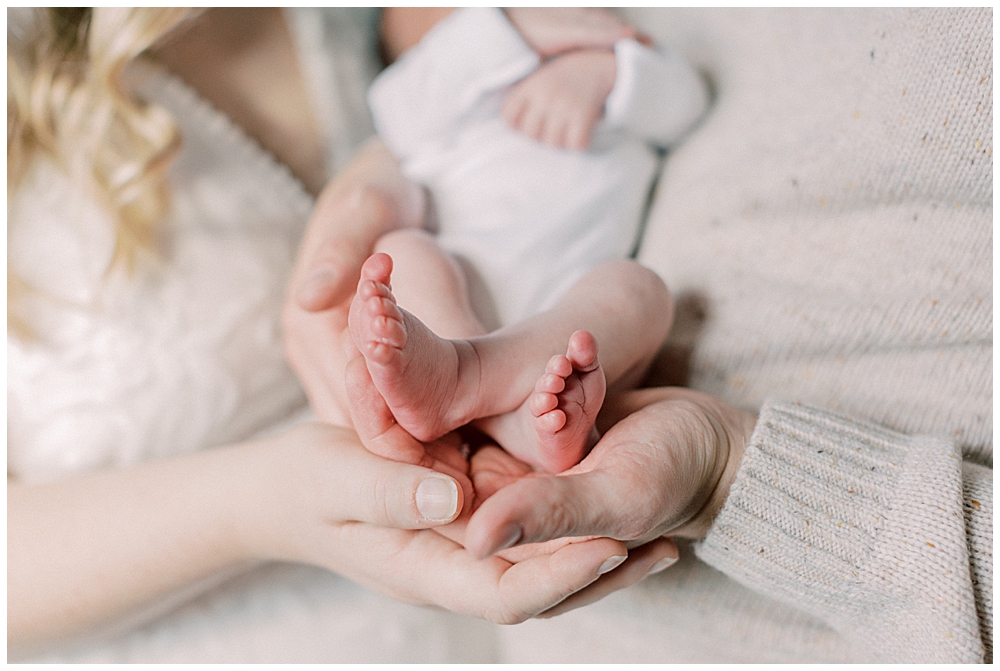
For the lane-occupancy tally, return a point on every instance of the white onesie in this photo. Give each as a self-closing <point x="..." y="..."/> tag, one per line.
<point x="530" y="219"/>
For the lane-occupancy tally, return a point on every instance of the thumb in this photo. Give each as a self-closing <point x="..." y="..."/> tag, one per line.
<point x="392" y="494"/>
<point x="538" y="509"/>
<point x="332" y="276"/>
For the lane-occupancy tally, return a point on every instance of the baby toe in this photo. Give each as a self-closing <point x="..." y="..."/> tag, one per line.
<point x="543" y="403"/>
<point x="559" y="365"/>
<point x="550" y="384"/>
<point x="551" y="422"/>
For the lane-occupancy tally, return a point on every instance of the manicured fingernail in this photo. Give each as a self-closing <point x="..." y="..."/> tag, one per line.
<point x="509" y="535"/>
<point x="611" y="563"/>
<point x="437" y="498"/>
<point x="664" y="563"/>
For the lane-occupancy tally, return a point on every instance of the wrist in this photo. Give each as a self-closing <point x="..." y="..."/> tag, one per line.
<point x="733" y="429"/>
<point x="259" y="474"/>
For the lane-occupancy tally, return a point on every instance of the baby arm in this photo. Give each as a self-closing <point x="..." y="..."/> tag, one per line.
<point x="559" y="103"/>
<point x="650" y="93"/>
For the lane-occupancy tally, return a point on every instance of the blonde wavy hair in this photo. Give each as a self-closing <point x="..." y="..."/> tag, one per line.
<point x="66" y="98"/>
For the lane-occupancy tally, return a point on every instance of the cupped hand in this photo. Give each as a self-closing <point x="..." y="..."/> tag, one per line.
<point x="492" y="469"/>
<point x="323" y="499"/>
<point x="663" y="468"/>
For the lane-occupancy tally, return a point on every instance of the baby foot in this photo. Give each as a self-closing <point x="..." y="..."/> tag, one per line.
<point x="423" y="379"/>
<point x="565" y="404"/>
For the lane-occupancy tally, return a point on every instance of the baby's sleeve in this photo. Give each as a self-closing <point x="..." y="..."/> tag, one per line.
<point x="657" y="95"/>
<point x="469" y="55"/>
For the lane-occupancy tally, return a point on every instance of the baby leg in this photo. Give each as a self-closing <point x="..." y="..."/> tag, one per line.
<point x="429" y="284"/>
<point x="623" y="307"/>
<point x="433" y="385"/>
<point x="426" y="379"/>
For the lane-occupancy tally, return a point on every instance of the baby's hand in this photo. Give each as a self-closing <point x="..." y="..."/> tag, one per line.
<point x="554" y="30"/>
<point x="560" y="102"/>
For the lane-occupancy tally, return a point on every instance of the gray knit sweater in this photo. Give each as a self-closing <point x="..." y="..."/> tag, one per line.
<point x="828" y="235"/>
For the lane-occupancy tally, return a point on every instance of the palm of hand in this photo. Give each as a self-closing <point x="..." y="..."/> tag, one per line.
<point x="431" y="566"/>
<point x="665" y="468"/>
<point x="491" y="469"/>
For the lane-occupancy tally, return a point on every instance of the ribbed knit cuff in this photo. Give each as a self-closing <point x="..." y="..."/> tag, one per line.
<point x="856" y="524"/>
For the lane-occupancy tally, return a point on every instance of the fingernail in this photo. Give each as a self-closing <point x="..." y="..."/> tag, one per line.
<point x="611" y="563"/>
<point x="437" y="498"/>
<point x="510" y="535"/>
<point x="664" y="563"/>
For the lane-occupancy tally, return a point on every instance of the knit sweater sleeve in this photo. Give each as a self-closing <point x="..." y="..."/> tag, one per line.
<point x="887" y="537"/>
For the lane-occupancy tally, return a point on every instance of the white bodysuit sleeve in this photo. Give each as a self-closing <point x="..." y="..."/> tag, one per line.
<point x="472" y="53"/>
<point x="657" y="94"/>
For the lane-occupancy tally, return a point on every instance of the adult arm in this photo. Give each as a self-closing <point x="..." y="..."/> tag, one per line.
<point x="90" y="549"/>
<point x="887" y="537"/>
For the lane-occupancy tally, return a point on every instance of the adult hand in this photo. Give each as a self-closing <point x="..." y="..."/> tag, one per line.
<point x="664" y="469"/>
<point x="326" y="500"/>
<point x="492" y="469"/>
<point x="368" y="199"/>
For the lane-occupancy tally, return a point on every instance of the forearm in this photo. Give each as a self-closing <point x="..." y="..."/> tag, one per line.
<point x="87" y="550"/>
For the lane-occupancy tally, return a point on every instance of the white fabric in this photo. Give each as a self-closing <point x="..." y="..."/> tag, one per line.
<point x="803" y="111"/>
<point x="529" y="219"/>
<point x="184" y="355"/>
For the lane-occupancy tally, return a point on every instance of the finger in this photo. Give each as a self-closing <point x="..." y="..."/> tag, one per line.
<point x="492" y="469"/>
<point x="450" y="449"/>
<point x="538" y="584"/>
<point x="543" y="508"/>
<point x="449" y="460"/>
<point x="643" y="561"/>
<point x="332" y="277"/>
<point x="578" y="132"/>
<point x="392" y="494"/>
<point x="513" y="107"/>
<point x="554" y="128"/>
<point x="532" y="121"/>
